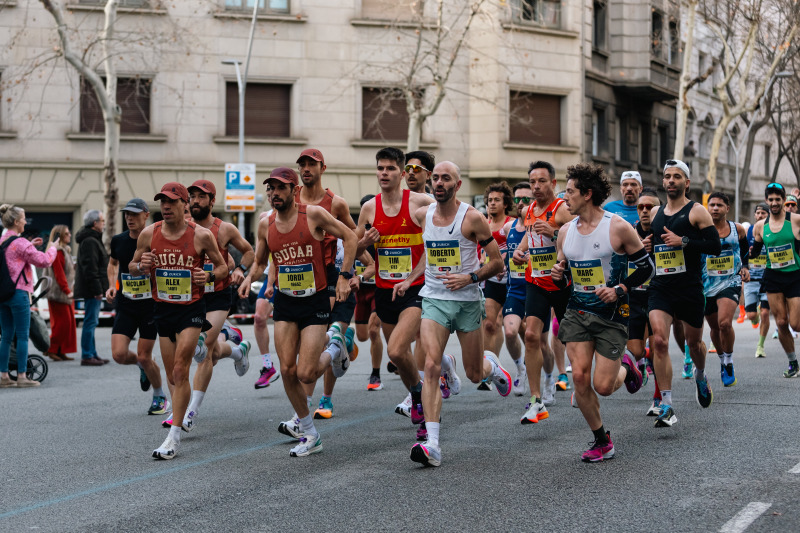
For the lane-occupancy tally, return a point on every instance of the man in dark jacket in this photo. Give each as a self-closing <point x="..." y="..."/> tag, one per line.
<point x="91" y="281"/>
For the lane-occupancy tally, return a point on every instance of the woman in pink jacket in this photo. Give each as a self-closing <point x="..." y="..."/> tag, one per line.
<point x="15" y="313"/>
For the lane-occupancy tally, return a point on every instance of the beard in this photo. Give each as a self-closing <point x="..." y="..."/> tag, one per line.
<point x="281" y="206"/>
<point x="447" y="194"/>
<point x="200" y="213"/>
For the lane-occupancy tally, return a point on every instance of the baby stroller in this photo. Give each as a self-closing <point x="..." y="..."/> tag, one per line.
<point x="37" y="365"/>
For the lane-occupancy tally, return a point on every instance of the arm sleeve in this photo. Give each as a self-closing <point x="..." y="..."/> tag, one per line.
<point x="708" y="243"/>
<point x="744" y="252"/>
<point x="58" y="273"/>
<point x="757" y="247"/>
<point x="644" y="269"/>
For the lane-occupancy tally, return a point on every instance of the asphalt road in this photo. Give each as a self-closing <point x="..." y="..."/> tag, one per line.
<point x="77" y="457"/>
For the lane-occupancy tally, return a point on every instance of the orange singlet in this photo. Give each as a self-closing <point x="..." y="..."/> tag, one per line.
<point x="171" y="275"/>
<point x="298" y="257"/>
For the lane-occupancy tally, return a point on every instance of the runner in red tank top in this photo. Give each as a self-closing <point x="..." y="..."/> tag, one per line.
<point x="294" y="234"/>
<point x="172" y="253"/>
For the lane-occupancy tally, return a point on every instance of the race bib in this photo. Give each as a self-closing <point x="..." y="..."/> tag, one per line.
<point x="542" y="261"/>
<point x="760" y="262"/>
<point x="360" y="268"/>
<point x="136" y="287"/>
<point x="669" y="259"/>
<point x="516" y="271"/>
<point x="208" y="267"/>
<point x="720" y="265"/>
<point x="631" y="270"/>
<point x="587" y="275"/>
<point x="297" y="280"/>
<point x="174" y="285"/>
<point x="394" y="263"/>
<point x="780" y="256"/>
<point x="443" y="256"/>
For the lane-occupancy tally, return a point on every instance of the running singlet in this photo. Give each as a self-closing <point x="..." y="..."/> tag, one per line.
<point x="781" y="247"/>
<point x="400" y="247"/>
<point x="298" y="257"/>
<point x="632" y="266"/>
<point x="174" y="261"/>
<point x="500" y="238"/>
<point x="593" y="263"/>
<point x="676" y="267"/>
<point x="757" y="264"/>
<point x="516" y="273"/>
<point x="329" y="241"/>
<point x="542" y="249"/>
<point x="219" y="284"/>
<point x="132" y="288"/>
<point x="722" y="271"/>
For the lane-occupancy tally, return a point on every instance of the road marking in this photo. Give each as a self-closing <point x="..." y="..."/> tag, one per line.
<point x="745" y="517"/>
<point x="795" y="469"/>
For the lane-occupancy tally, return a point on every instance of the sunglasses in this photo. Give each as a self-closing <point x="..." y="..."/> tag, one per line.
<point x="522" y="199"/>
<point x="642" y="207"/>
<point x="671" y="162"/>
<point x="790" y="204"/>
<point x="774" y="186"/>
<point x="416" y="169"/>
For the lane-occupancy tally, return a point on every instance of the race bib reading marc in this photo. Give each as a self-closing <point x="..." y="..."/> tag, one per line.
<point x="587" y="275"/>
<point x="297" y="280"/>
<point x="542" y="261"/>
<point x="780" y="256"/>
<point x="669" y="259"/>
<point x="136" y="287"/>
<point x="174" y="285"/>
<point x="444" y="257"/>
<point x="394" y="263"/>
<point x="720" y="265"/>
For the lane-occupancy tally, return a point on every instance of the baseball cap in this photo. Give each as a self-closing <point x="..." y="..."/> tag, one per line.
<point x="283" y="174"/>
<point x="677" y="163"/>
<point x="630" y="175"/>
<point x="136" y="205"/>
<point x="174" y="191"/>
<point x="790" y="198"/>
<point x="313" y="153"/>
<point x="205" y="186"/>
<point x="762" y="206"/>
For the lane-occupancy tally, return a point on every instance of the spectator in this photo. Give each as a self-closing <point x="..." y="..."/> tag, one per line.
<point x="688" y="150"/>
<point x="63" y="339"/>
<point x="91" y="281"/>
<point x="15" y="313"/>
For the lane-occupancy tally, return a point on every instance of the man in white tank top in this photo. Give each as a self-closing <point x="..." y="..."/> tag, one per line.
<point x="451" y="298"/>
<point x="594" y="248"/>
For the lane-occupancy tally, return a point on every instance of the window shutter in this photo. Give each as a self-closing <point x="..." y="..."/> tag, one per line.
<point x="384" y="115"/>
<point x="535" y="118"/>
<point x="266" y="110"/>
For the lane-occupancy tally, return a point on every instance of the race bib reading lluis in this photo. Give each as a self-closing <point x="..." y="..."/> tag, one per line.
<point x="209" y="267"/>
<point x="587" y="275"/>
<point x="136" y="287"/>
<point x="720" y="265"/>
<point x="297" y="280"/>
<point x="542" y="261"/>
<point x="669" y="259"/>
<point x="174" y="285"/>
<point x="394" y="263"/>
<point x="780" y="256"/>
<point x="443" y="256"/>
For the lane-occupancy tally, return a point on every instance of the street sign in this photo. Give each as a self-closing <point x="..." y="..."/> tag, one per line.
<point x="240" y="187"/>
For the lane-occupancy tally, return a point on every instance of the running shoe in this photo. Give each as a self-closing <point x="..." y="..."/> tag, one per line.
<point x="349" y="341"/>
<point x="703" y="393"/>
<point x="188" y="421"/>
<point x="144" y="381"/>
<point x="166" y="424"/>
<point x="655" y="409"/>
<point x="243" y="365"/>
<point x="167" y="449"/>
<point x="341" y="362"/>
<point x="793" y="370"/>
<point x="427" y="454"/>
<point x="422" y="432"/>
<point x="309" y="443"/>
<point x="485" y="384"/>
<point x="688" y="369"/>
<point x="775" y="334"/>
<point x="599" y="451"/>
<point x="712" y="348"/>
<point x="234" y="334"/>
<point x="535" y="413"/>
<point x="417" y="414"/>
<point x="549" y="391"/>
<point x="642" y="364"/>
<point x="291" y="427"/>
<point x="755" y="321"/>
<point x="500" y="376"/>
<point x="633" y="379"/>
<point x="573" y="401"/>
<point x="404" y="407"/>
<point x="267" y="377"/>
<point x="760" y="352"/>
<point x="451" y="378"/>
<point x="444" y="388"/>
<point x="374" y="383"/>
<point x="160" y="406"/>
<point x="569" y="369"/>
<point x="562" y="383"/>
<point x="391" y="368"/>
<point x="728" y="378"/>
<point x="520" y="384"/>
<point x="325" y="409"/>
<point x="201" y="350"/>
<point x="666" y="417"/>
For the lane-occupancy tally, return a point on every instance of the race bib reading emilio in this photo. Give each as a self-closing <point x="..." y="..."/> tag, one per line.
<point x="587" y="275"/>
<point x="136" y="287"/>
<point x="720" y="265"/>
<point x="780" y="256"/>
<point x="669" y="259"/>
<point x="174" y="285"/>
<point x="542" y="261"/>
<point x="394" y="263"/>
<point x="443" y="256"/>
<point x="297" y="280"/>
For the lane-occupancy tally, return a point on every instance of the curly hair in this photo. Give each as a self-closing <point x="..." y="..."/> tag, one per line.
<point x="502" y="187"/>
<point x="590" y="177"/>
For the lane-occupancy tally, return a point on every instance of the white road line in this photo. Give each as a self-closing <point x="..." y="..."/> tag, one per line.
<point x="795" y="469"/>
<point x="745" y="517"/>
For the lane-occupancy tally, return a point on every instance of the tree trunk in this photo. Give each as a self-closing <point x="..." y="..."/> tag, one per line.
<point x="415" y="121"/>
<point x="716" y="144"/>
<point x="682" y="109"/>
<point x="113" y="119"/>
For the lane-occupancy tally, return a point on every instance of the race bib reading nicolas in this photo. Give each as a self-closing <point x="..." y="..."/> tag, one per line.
<point x="136" y="287"/>
<point x="669" y="259"/>
<point x="587" y="275"/>
<point x="209" y="267"/>
<point x="631" y="270"/>
<point x="394" y="263"/>
<point x="174" y="285"/>
<point x="297" y="280"/>
<point x="443" y="256"/>
<point x="780" y="256"/>
<point x="360" y="268"/>
<point x="542" y="261"/>
<point x="760" y="262"/>
<point x="720" y="265"/>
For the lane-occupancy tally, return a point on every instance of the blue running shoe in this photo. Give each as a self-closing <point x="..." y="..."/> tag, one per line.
<point x="666" y="417"/>
<point x="728" y="377"/>
<point x="704" y="395"/>
<point x="687" y="369"/>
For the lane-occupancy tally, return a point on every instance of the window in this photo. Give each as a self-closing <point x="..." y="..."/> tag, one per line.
<point x="674" y="44"/>
<point x="384" y="115"/>
<point x="122" y="3"/>
<point x="621" y="152"/>
<point x="544" y="12"/>
<point x="278" y="6"/>
<point x="534" y="118"/>
<point x="133" y="98"/>
<point x="599" y="132"/>
<point x="266" y="109"/>
<point x="644" y="143"/>
<point x="656" y="34"/>
<point x="392" y="9"/>
<point x="663" y="145"/>
<point x="599" y="25"/>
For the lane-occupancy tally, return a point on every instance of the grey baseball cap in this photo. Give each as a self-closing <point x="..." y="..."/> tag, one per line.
<point x="136" y="205"/>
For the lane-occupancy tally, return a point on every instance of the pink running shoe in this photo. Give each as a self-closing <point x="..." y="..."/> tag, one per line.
<point x="599" y="451"/>
<point x="422" y="432"/>
<point x="267" y="377"/>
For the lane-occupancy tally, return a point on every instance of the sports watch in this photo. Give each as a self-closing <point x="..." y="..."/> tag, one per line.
<point x="473" y="277"/>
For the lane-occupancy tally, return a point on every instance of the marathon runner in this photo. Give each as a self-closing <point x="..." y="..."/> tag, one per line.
<point x="630" y="186"/>
<point x="268" y="374"/>
<point x="499" y="203"/>
<point x="755" y="300"/>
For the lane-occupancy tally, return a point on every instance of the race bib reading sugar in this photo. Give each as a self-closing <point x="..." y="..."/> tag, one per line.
<point x="631" y="270"/>
<point x="297" y="280"/>
<point x="394" y="263"/>
<point x="780" y="256"/>
<point x="209" y="267"/>
<point x="174" y="285"/>
<point x="669" y="259"/>
<point x="443" y="256"/>
<point x="136" y="287"/>
<point x="587" y="275"/>
<point x="720" y="265"/>
<point x="542" y="261"/>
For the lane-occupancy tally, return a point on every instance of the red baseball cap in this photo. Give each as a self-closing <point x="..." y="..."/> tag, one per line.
<point x="313" y="153"/>
<point x="205" y="186"/>
<point x="174" y="191"/>
<point x="283" y="174"/>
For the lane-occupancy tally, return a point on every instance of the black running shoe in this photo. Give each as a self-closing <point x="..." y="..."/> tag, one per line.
<point x="144" y="382"/>
<point x="793" y="370"/>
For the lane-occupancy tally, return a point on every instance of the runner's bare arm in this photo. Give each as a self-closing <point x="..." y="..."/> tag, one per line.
<point x="476" y="228"/>
<point x="236" y="240"/>
<point x="367" y="236"/>
<point x="142" y="260"/>
<point x="321" y="220"/>
<point x="260" y="257"/>
<point x="341" y="211"/>
<point x="560" y="267"/>
<point x="204" y="242"/>
<point x="111" y="272"/>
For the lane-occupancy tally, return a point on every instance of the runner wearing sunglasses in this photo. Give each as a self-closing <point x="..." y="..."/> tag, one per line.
<point x="418" y="169"/>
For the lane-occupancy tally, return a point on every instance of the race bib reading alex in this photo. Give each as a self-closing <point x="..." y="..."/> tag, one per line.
<point x="136" y="287"/>
<point x="542" y="261"/>
<point x="669" y="259"/>
<point x="297" y="280"/>
<point x="443" y="256"/>
<point x="587" y="275"/>
<point x="720" y="265"/>
<point x="174" y="285"/>
<point x="394" y="263"/>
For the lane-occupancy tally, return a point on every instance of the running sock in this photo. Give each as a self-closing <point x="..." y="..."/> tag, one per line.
<point x="307" y="425"/>
<point x="197" y="399"/>
<point x="791" y="356"/>
<point x="175" y="433"/>
<point x="686" y="355"/>
<point x="267" y="360"/>
<point x="666" y="397"/>
<point x="376" y="372"/>
<point x="446" y="366"/>
<point x="534" y="399"/>
<point x="310" y="401"/>
<point x="334" y="350"/>
<point x="158" y="392"/>
<point x="520" y="364"/>
<point x="699" y="375"/>
<point x="761" y="339"/>
<point x="599" y="435"/>
<point x="236" y="353"/>
<point x="433" y="432"/>
<point x="727" y="358"/>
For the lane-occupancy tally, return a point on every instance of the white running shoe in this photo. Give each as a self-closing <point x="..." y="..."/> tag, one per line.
<point x="520" y="383"/>
<point x="201" y="350"/>
<point x="291" y="427"/>
<point x="569" y="369"/>
<point x="549" y="391"/>
<point x="500" y="377"/>
<point x="573" y="401"/>
<point x="167" y="449"/>
<point x="243" y="364"/>
<point x="404" y="407"/>
<point x="452" y="379"/>
<point x="309" y="443"/>
<point x="535" y="413"/>
<point x="188" y="421"/>
<point x="427" y="454"/>
<point x="341" y="362"/>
